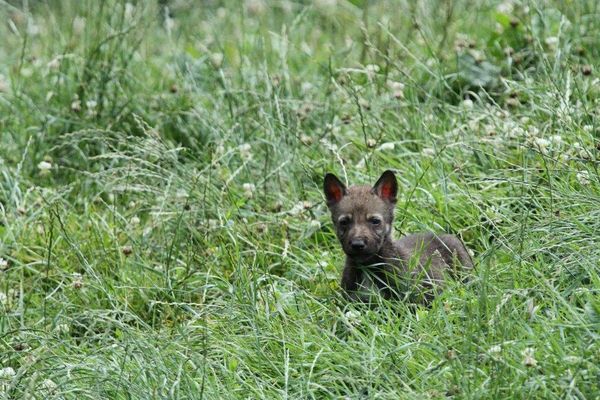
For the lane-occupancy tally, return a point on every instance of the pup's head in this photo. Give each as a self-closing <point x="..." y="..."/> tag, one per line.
<point x="362" y="215"/>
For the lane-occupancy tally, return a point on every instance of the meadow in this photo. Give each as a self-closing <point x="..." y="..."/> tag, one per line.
<point x="163" y="232"/>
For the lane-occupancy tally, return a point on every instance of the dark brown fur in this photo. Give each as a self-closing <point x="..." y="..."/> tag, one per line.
<point x="413" y="267"/>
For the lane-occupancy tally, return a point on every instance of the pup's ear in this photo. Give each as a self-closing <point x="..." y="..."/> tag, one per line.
<point x="334" y="189"/>
<point x="386" y="187"/>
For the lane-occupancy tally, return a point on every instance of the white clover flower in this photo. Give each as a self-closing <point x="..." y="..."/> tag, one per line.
<point x="126" y="250"/>
<point x="315" y="224"/>
<point x="3" y="264"/>
<point x="129" y="11"/>
<point x="490" y="131"/>
<point x="49" y="385"/>
<point x="3" y="298"/>
<point x="249" y="189"/>
<point x="428" y="152"/>
<point x="398" y="94"/>
<point x="7" y="373"/>
<point x="551" y="41"/>
<point x="531" y="308"/>
<point x="134" y="220"/>
<point x="221" y="12"/>
<point x="3" y="84"/>
<point x="76" y="105"/>
<point x="216" y="59"/>
<point x="33" y="29"/>
<point x="583" y="177"/>
<point x="506" y="7"/>
<point x="77" y="282"/>
<point x="78" y="25"/>
<point x="245" y="151"/>
<point x="325" y="3"/>
<point x="453" y="133"/>
<point x="581" y="151"/>
<point x="306" y="140"/>
<point x="297" y="208"/>
<point x="26" y="72"/>
<point x="333" y="128"/>
<point x="573" y="359"/>
<point x="305" y="47"/>
<point x="514" y="131"/>
<point x="158" y="268"/>
<point x="352" y="317"/>
<point x="467" y="103"/>
<point x="91" y="107"/>
<point x="182" y="194"/>
<point x="501" y="114"/>
<point x="169" y="23"/>
<point x="54" y="63"/>
<point x="528" y="359"/>
<point x="286" y="248"/>
<point x="541" y="144"/>
<point x="364" y="103"/>
<point x="588" y="128"/>
<point x="387" y="146"/>
<point x="371" y="70"/>
<point x="44" y="167"/>
<point x="328" y="145"/>
<point x="473" y="125"/>
<point x="62" y="328"/>
<point x="397" y="89"/>
<point x="556" y="140"/>
<point x="255" y="7"/>
<point x="395" y="85"/>
<point x="495" y="349"/>
<point x="305" y="87"/>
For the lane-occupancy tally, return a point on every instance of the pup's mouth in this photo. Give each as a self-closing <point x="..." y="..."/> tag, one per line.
<point x="360" y="255"/>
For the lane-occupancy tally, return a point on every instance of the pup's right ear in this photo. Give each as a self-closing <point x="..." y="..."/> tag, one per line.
<point x="334" y="189"/>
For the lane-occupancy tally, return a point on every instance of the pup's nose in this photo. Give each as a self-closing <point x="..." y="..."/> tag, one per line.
<point x="357" y="244"/>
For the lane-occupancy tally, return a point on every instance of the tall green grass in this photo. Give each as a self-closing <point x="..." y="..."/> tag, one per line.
<point x="162" y="228"/>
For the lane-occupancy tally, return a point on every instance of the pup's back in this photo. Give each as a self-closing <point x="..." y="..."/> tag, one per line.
<point x="430" y="258"/>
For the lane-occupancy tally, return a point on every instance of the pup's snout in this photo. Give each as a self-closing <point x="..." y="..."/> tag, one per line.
<point x="358" y="244"/>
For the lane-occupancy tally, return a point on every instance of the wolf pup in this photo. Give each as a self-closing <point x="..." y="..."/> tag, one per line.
<point x="363" y="217"/>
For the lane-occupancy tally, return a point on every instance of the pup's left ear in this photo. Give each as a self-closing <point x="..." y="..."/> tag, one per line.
<point x="386" y="187"/>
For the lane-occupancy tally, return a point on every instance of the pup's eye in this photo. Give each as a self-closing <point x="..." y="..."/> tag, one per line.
<point x="374" y="221"/>
<point x="345" y="221"/>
